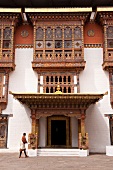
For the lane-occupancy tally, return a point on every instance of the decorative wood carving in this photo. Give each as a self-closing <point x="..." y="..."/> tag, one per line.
<point x="7" y="23"/>
<point x="106" y="19"/>
<point x="62" y="101"/>
<point x="77" y="17"/>
<point x="93" y="45"/>
<point x="58" y="45"/>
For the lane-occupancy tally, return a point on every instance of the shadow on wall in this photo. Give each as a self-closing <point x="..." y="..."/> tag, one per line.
<point x="97" y="126"/>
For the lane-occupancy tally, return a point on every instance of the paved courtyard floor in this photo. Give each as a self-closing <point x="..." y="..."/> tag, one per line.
<point x="10" y="161"/>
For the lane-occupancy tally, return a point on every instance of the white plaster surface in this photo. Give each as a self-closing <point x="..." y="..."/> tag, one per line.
<point x="74" y="123"/>
<point x="43" y="130"/>
<point x="22" y="79"/>
<point x="95" y="79"/>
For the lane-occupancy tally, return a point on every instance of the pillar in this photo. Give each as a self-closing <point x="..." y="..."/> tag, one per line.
<point x="32" y="139"/>
<point x="33" y="116"/>
<point x="83" y="136"/>
<point x="37" y="132"/>
<point x="83" y="123"/>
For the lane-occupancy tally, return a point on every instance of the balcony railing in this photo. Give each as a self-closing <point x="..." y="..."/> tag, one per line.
<point x="58" y="56"/>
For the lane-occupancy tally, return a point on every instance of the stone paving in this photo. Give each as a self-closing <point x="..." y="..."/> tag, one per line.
<point x="10" y="161"/>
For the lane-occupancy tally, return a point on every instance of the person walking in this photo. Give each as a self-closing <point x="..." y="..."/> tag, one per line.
<point x="22" y="145"/>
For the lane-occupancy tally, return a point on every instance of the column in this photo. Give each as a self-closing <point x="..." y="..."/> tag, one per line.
<point x="33" y="116"/>
<point x="33" y="136"/>
<point x="37" y="132"/>
<point x="82" y="123"/>
<point x="83" y="136"/>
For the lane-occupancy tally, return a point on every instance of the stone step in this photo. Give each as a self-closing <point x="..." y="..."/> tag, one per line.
<point x="58" y="152"/>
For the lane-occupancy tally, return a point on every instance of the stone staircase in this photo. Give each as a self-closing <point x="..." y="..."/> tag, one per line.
<point x="58" y="152"/>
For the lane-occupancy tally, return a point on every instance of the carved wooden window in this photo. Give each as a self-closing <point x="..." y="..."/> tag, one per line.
<point x="51" y="82"/>
<point x="110" y="37"/>
<point x="77" y="37"/>
<point x="58" y="42"/>
<point x="6" y="42"/>
<point x="7" y="38"/>
<point x="39" y="38"/>
<point x="2" y="85"/>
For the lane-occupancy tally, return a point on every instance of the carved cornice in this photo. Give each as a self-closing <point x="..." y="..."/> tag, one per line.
<point x="105" y="17"/>
<point x="80" y="16"/>
<point x="9" y="18"/>
<point x="24" y="46"/>
<point x="93" y="45"/>
<point x="58" y="112"/>
<point x="75" y="65"/>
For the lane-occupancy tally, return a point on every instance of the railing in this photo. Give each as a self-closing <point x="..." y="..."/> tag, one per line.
<point x="58" y="56"/>
<point x="6" y="56"/>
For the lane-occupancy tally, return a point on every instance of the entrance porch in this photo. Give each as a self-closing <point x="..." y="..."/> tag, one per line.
<point x="58" y="109"/>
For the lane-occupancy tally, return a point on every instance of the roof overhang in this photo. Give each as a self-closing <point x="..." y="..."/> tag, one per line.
<point x="35" y="10"/>
<point x="11" y="10"/>
<point x="58" y="100"/>
<point x="104" y="9"/>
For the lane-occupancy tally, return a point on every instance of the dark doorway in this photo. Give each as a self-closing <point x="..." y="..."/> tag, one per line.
<point x="111" y="130"/>
<point x="58" y="132"/>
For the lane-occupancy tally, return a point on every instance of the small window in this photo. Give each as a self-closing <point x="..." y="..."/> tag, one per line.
<point x="56" y="79"/>
<point x="69" y="90"/>
<point x="64" y="89"/>
<point x="51" y="79"/>
<point x="47" y="90"/>
<point x="65" y="79"/>
<point x="60" y="79"/>
<point x="47" y="79"/>
<point x="51" y="90"/>
<point x="69" y="79"/>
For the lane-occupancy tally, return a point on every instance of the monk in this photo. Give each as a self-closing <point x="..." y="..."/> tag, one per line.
<point x="22" y="145"/>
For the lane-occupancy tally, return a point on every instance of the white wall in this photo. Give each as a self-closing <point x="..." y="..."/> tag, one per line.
<point x="74" y="123"/>
<point x="43" y="131"/>
<point x="22" y="79"/>
<point x="95" y="79"/>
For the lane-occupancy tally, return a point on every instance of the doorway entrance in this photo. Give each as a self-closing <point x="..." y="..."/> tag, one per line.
<point x="58" y="132"/>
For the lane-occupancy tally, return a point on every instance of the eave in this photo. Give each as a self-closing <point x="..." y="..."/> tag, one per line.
<point x="58" y="101"/>
<point x="35" y="10"/>
<point x="11" y="10"/>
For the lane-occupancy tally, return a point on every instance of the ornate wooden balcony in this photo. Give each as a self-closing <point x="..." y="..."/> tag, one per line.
<point x="58" y="60"/>
<point x="7" y="60"/>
